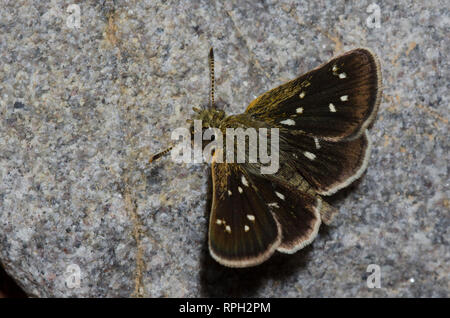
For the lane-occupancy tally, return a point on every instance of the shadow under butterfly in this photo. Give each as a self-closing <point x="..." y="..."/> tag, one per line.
<point x="324" y="146"/>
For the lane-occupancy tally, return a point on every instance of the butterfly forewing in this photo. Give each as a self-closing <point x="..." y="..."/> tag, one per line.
<point x="335" y="101"/>
<point x="242" y="231"/>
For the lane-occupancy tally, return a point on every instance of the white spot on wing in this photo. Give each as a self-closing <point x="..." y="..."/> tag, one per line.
<point x="301" y="95"/>
<point x="342" y="75"/>
<point x="244" y="181"/>
<point x="246" y="228"/>
<point x="299" y="110"/>
<point x="229" y="193"/>
<point x="332" y="108"/>
<point x="280" y="195"/>
<point x="273" y="205"/>
<point x="288" y="122"/>
<point x="316" y="141"/>
<point x="228" y="229"/>
<point x="344" y="98"/>
<point x="309" y="155"/>
<point x="251" y="217"/>
<point x="335" y="68"/>
<point x="219" y="222"/>
<point x="240" y="190"/>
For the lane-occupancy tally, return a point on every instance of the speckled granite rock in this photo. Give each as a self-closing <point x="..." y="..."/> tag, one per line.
<point x="81" y="110"/>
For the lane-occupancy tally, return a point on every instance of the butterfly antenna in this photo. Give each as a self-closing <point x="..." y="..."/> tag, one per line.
<point x="211" y="73"/>
<point x="159" y="154"/>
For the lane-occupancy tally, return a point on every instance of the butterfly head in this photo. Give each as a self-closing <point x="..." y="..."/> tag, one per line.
<point x="210" y="117"/>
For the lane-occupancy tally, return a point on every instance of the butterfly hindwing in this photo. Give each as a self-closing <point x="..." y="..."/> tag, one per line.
<point x="252" y="216"/>
<point x="335" y="101"/>
<point x="327" y="166"/>
<point x="297" y="212"/>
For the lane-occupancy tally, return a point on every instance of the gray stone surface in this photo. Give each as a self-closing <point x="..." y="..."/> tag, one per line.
<point x="81" y="110"/>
